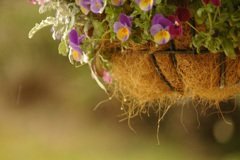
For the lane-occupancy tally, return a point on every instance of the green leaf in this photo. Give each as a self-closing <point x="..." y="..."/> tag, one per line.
<point x="228" y="48"/>
<point x="47" y="22"/>
<point x="62" y="48"/>
<point x="96" y="78"/>
<point x="48" y="6"/>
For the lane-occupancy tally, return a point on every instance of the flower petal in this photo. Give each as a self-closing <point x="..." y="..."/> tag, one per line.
<point x="117" y="26"/>
<point x="162" y="37"/>
<point x="175" y="30"/>
<point x="117" y="2"/>
<point x="76" y="48"/>
<point x="216" y="3"/>
<point x="125" y="20"/>
<point x="159" y="19"/>
<point x="146" y="5"/>
<point x="155" y="18"/>
<point x="205" y="1"/>
<point x="76" y="56"/>
<point x="107" y="77"/>
<point x="123" y="33"/>
<point x="155" y="29"/>
<point x="182" y="14"/>
<point x="137" y="1"/>
<point x="73" y="37"/>
<point x="96" y="5"/>
<point x="81" y="38"/>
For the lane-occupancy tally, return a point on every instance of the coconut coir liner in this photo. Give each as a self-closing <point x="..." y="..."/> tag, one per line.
<point x="138" y="84"/>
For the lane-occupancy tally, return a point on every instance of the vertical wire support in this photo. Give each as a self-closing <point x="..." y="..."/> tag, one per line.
<point x="222" y="70"/>
<point x="153" y="58"/>
<point x="173" y="58"/>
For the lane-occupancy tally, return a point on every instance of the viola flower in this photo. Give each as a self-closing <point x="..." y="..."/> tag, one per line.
<point x="118" y="2"/>
<point x="182" y="14"/>
<point x="75" y="44"/>
<point x="145" y="5"/>
<point x="40" y="2"/>
<point x="216" y="3"/>
<point x="176" y="28"/>
<point x="96" y="6"/>
<point x="159" y="29"/>
<point x="122" y="28"/>
<point x="84" y="5"/>
<point x="85" y="10"/>
<point x="107" y="77"/>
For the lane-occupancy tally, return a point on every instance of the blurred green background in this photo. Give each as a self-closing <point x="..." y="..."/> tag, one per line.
<point x="46" y="108"/>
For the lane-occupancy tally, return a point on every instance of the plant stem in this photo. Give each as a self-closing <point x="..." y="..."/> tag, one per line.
<point x="215" y="16"/>
<point x="192" y="26"/>
<point x="218" y="8"/>
<point x="97" y="39"/>
<point x="165" y="2"/>
<point x="210" y="23"/>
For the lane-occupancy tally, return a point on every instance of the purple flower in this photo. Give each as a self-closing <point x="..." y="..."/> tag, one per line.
<point x="40" y="2"/>
<point x="182" y="14"/>
<point x="176" y="28"/>
<point x="145" y="5"/>
<point x="122" y="27"/>
<point x="87" y="5"/>
<point x="84" y="5"/>
<point x="216" y="3"/>
<point x="117" y="2"/>
<point x="96" y="6"/>
<point x="159" y="29"/>
<point x="107" y="77"/>
<point x="75" y="44"/>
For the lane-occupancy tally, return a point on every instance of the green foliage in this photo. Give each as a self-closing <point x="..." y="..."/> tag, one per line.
<point x="223" y="27"/>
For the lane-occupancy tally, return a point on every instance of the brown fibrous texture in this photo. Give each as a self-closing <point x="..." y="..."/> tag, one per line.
<point x="138" y="84"/>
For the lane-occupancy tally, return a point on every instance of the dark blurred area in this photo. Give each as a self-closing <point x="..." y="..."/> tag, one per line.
<point x="46" y="108"/>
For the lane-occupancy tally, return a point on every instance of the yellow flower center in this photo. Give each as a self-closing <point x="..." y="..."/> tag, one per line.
<point x="162" y="37"/>
<point x="176" y="23"/>
<point x="97" y="4"/>
<point x="76" y="56"/>
<point x="122" y="33"/>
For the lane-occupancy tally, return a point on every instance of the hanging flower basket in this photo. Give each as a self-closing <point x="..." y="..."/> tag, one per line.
<point x="152" y="52"/>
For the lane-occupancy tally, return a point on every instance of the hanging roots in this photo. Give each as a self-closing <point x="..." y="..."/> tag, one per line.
<point x="208" y="78"/>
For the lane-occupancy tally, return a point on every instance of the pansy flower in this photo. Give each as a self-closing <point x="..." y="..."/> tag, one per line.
<point x="40" y="2"/>
<point x="176" y="28"/>
<point x="84" y="5"/>
<point x="118" y="2"/>
<point x="122" y="27"/>
<point x="96" y="6"/>
<point x="181" y="15"/>
<point x="75" y="41"/>
<point x="216" y="3"/>
<point x="145" y="5"/>
<point x="105" y="74"/>
<point x="159" y="29"/>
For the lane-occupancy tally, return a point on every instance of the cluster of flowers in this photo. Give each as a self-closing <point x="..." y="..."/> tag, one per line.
<point x="162" y="29"/>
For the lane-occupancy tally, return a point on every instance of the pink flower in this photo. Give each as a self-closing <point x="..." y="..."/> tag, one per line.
<point x="182" y="14"/>
<point x="216" y="3"/>
<point x="40" y="2"/>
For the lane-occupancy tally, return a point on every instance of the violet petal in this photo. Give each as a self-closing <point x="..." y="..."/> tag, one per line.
<point x="117" y="26"/>
<point x="155" y="18"/>
<point x="125" y="20"/>
<point x="81" y="38"/>
<point x="73" y="37"/>
<point x="155" y="29"/>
